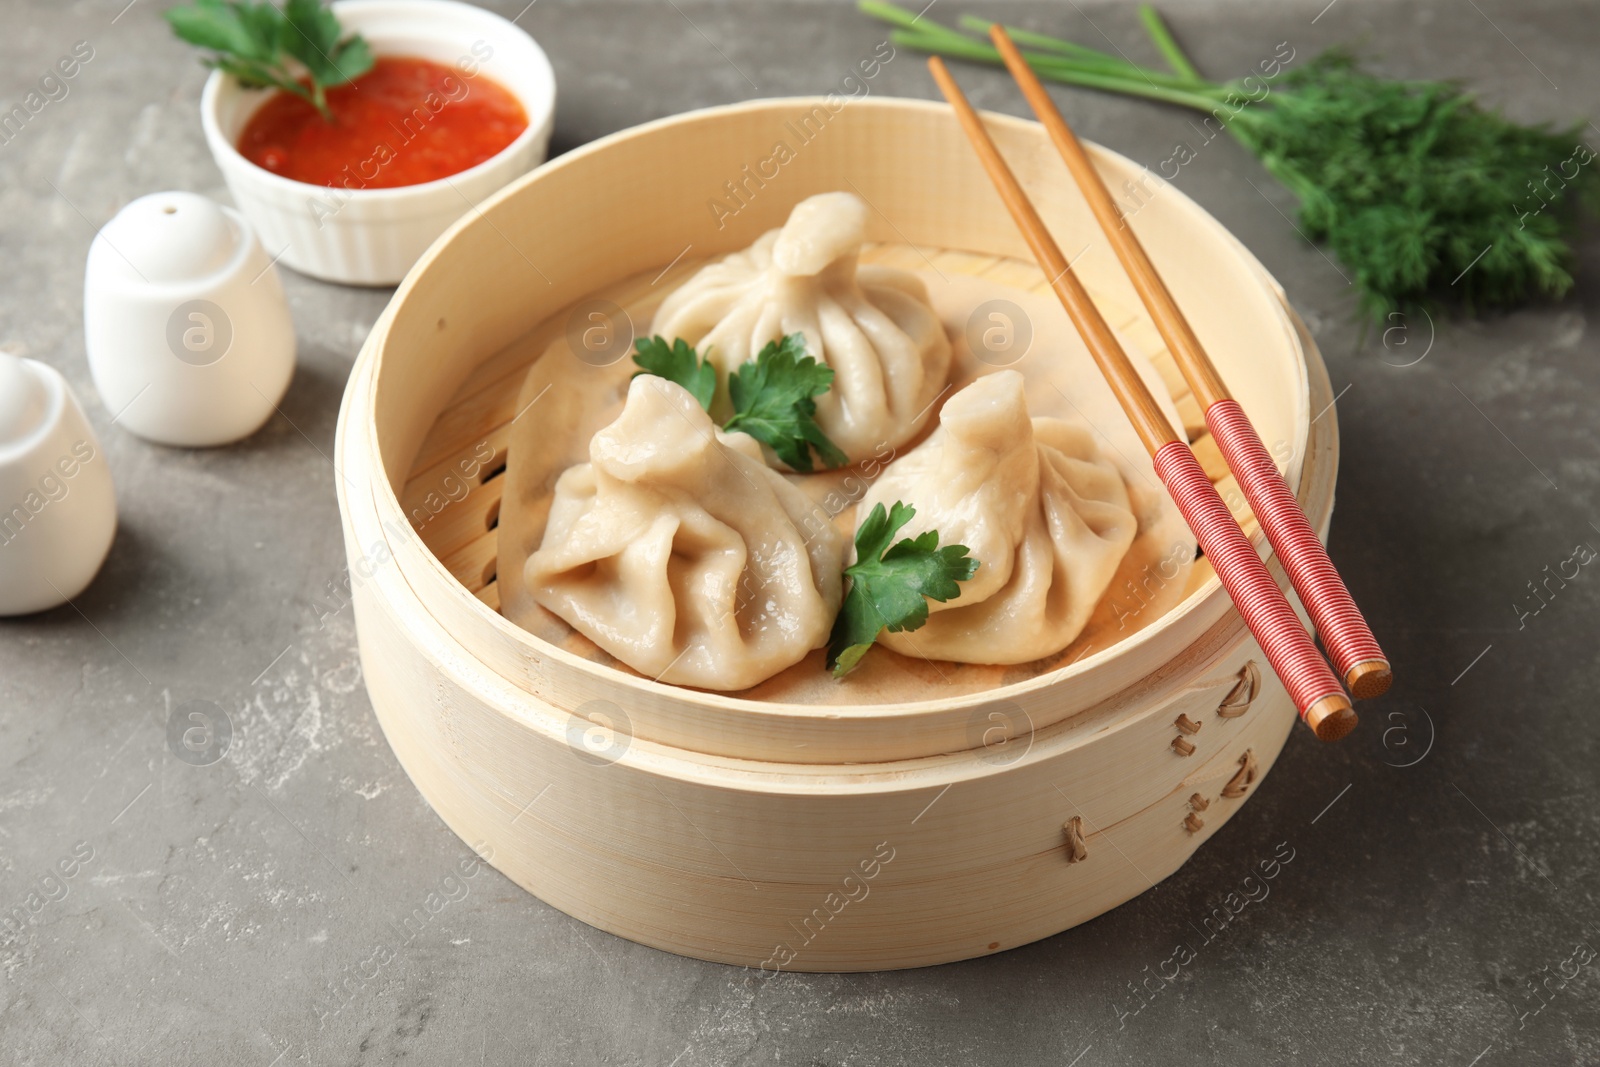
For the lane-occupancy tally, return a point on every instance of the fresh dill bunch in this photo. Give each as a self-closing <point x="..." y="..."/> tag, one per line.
<point x="1425" y="197"/>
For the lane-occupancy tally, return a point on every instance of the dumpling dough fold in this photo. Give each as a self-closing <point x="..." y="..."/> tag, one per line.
<point x="677" y="550"/>
<point x="1047" y="517"/>
<point x="872" y="325"/>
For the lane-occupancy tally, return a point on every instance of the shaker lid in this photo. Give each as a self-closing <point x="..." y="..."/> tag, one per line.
<point x="24" y="401"/>
<point x="168" y="237"/>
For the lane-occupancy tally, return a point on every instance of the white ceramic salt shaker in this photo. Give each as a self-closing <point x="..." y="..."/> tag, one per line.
<point x="188" y="332"/>
<point x="58" y="511"/>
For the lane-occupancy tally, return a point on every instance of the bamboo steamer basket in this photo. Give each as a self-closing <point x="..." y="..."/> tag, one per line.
<point x="789" y="837"/>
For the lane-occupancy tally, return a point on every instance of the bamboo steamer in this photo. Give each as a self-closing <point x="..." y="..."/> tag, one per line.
<point x="789" y="837"/>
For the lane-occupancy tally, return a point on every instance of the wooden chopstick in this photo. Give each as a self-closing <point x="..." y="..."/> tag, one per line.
<point x="1317" y="695"/>
<point x="1351" y="646"/>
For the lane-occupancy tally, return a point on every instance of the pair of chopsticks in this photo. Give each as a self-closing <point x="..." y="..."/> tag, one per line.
<point x="1317" y="693"/>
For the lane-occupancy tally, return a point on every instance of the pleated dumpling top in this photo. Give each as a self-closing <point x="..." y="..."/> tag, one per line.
<point x="1044" y="513"/>
<point x="872" y="325"/>
<point x="680" y="552"/>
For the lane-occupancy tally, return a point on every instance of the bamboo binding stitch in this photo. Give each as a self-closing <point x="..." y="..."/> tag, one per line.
<point x="1077" y="850"/>
<point x="1244" y="778"/>
<point x="1243" y="693"/>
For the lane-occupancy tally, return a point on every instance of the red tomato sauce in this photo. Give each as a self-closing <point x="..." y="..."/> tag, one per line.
<point x="404" y="122"/>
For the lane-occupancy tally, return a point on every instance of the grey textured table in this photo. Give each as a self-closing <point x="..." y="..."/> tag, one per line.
<point x="222" y="905"/>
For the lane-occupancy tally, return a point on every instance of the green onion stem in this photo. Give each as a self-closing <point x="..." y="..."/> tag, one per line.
<point x="1156" y="27"/>
<point x="899" y="16"/>
<point x="1040" y="40"/>
<point x="1054" y="68"/>
<point x="930" y="36"/>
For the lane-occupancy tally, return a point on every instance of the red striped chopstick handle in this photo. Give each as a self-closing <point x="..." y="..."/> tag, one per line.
<point x="1262" y="604"/>
<point x="1344" y="632"/>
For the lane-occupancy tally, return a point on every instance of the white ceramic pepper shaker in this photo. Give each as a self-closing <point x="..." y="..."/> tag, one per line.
<point x="58" y="511"/>
<point x="188" y="332"/>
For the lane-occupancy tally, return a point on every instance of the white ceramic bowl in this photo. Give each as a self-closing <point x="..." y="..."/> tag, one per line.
<point x="373" y="236"/>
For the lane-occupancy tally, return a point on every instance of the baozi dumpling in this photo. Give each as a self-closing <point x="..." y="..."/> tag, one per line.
<point x="680" y="552"/>
<point x="1046" y="516"/>
<point x="872" y="325"/>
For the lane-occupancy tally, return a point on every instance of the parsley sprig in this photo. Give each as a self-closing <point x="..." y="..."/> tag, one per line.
<point x="890" y="585"/>
<point x="772" y="395"/>
<point x="263" y="45"/>
<point x="677" y="362"/>
<point x="772" y="402"/>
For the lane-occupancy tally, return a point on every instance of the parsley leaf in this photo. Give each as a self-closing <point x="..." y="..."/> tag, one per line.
<point x="771" y="395"/>
<point x="890" y="586"/>
<point x="677" y="363"/>
<point x="264" y="46"/>
<point x="772" y="402"/>
<point x="313" y="39"/>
